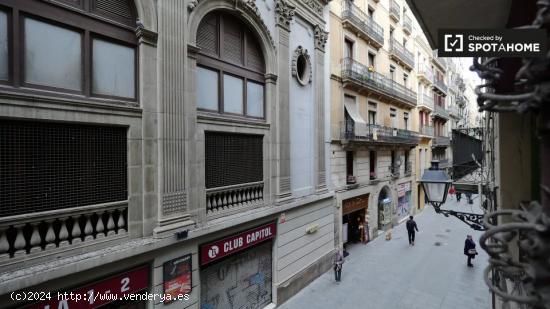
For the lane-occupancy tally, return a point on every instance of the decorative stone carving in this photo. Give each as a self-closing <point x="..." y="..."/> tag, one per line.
<point x="315" y="6"/>
<point x="301" y="66"/>
<point x="192" y="4"/>
<point x="146" y="36"/>
<point x="284" y="12"/>
<point x="321" y="37"/>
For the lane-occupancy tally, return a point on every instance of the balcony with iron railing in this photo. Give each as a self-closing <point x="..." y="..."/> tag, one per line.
<point x="427" y="130"/>
<point x="440" y="86"/>
<point x="444" y="163"/>
<point x="441" y="141"/>
<point x="441" y="62"/>
<point x="461" y="100"/>
<point x="454" y="112"/>
<point x="395" y="10"/>
<point x="426" y="101"/>
<point x="401" y="54"/>
<point x="376" y="134"/>
<point x="355" y="19"/>
<point x="425" y="73"/>
<point x="441" y="112"/>
<point x="49" y="233"/>
<point x="407" y="24"/>
<point x="359" y="76"/>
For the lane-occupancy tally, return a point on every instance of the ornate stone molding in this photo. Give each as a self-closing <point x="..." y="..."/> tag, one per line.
<point x="321" y="37"/>
<point x="306" y="79"/>
<point x="284" y="13"/>
<point x="192" y="4"/>
<point x="316" y="6"/>
<point x="146" y="36"/>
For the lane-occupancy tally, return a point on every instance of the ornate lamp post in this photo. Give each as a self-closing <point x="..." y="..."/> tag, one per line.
<point x="436" y="183"/>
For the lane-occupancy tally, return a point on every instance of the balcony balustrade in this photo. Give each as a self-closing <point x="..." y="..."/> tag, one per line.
<point x="401" y="54"/>
<point x="441" y="86"/>
<point x="427" y="130"/>
<point x="425" y="73"/>
<point x="34" y="234"/>
<point x="441" y="111"/>
<point x="441" y="141"/>
<point x="373" y="133"/>
<point x="426" y="101"/>
<point x="407" y="24"/>
<point x="234" y="196"/>
<point x="395" y="10"/>
<point x="361" y="76"/>
<point x="353" y="17"/>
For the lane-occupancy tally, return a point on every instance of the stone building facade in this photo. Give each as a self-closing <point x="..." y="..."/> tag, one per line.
<point x="184" y="147"/>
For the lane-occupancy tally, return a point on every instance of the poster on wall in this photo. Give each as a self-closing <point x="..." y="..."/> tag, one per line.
<point x="344" y="233"/>
<point x="403" y="201"/>
<point x="177" y="277"/>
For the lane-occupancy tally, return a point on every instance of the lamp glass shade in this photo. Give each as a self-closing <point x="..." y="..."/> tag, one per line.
<point x="436" y="191"/>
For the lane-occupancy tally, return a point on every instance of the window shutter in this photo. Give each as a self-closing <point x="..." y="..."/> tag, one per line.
<point x="254" y="56"/>
<point x="207" y="35"/>
<point x="117" y="10"/>
<point x="232" y="41"/>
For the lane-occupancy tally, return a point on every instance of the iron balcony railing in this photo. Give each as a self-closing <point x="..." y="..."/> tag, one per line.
<point x="360" y="74"/>
<point x="407" y="23"/>
<point x="440" y="84"/>
<point x="444" y="163"/>
<point x="454" y="111"/>
<point x="427" y="130"/>
<point x="460" y="100"/>
<point x="440" y="61"/>
<point x="362" y="21"/>
<point x="395" y="10"/>
<point x="401" y="52"/>
<point x="376" y="133"/>
<point x="426" y="100"/>
<point x="441" y="111"/>
<point x="442" y="141"/>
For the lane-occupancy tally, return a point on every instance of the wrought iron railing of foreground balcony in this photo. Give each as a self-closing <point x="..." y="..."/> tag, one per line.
<point x="234" y="196"/>
<point x="38" y="234"/>
<point x="398" y="50"/>
<point x="441" y="111"/>
<point x="362" y="22"/>
<point x="376" y="133"/>
<point x="362" y="75"/>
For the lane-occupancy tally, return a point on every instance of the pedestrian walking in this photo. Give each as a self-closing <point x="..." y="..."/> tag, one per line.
<point x="458" y="196"/>
<point x="470" y="250"/>
<point x="469" y="198"/>
<point x="337" y="262"/>
<point x="411" y="227"/>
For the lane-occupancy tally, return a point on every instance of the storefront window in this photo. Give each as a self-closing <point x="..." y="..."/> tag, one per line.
<point x="255" y="100"/>
<point x="232" y="94"/>
<point x="113" y="69"/>
<point x="207" y="89"/>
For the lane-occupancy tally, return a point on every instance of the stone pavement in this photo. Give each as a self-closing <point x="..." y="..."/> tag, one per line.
<point x="392" y="275"/>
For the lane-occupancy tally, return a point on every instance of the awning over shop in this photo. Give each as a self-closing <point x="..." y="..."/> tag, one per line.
<point x="433" y="15"/>
<point x="360" y="126"/>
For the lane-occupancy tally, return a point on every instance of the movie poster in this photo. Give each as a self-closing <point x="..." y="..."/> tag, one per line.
<point x="177" y="277"/>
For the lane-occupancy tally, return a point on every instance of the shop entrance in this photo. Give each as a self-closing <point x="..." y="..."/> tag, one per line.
<point x="354" y="224"/>
<point x="384" y="209"/>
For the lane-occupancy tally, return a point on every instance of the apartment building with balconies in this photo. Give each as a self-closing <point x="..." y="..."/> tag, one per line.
<point x="144" y="145"/>
<point x="372" y="114"/>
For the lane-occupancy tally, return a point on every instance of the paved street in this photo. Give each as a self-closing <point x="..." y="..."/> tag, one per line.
<point x="390" y="274"/>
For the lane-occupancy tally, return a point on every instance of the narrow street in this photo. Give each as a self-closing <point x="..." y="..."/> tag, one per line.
<point x="390" y="274"/>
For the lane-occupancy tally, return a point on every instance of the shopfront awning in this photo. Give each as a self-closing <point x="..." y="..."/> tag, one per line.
<point x="433" y="15"/>
<point x="360" y="126"/>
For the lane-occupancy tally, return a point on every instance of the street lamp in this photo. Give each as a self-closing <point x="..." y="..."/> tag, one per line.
<point x="436" y="183"/>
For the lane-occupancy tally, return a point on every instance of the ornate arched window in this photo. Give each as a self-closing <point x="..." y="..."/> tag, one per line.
<point x="81" y="47"/>
<point x="231" y="69"/>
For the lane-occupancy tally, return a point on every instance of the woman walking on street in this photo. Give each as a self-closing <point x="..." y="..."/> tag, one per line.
<point x="337" y="262"/>
<point x="470" y="250"/>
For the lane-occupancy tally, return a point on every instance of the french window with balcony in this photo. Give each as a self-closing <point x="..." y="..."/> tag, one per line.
<point x="350" y="177"/>
<point x="372" y="164"/>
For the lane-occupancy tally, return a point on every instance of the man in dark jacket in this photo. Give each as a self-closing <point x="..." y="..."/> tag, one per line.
<point x="470" y="250"/>
<point x="411" y="226"/>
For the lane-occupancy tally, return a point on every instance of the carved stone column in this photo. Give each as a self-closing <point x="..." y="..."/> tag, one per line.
<point x="321" y="37"/>
<point x="172" y="154"/>
<point x="284" y="13"/>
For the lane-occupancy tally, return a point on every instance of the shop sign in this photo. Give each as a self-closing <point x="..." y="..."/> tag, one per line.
<point x="99" y="293"/>
<point x="356" y="203"/>
<point x="403" y="188"/>
<point x="218" y="249"/>
<point x="177" y="277"/>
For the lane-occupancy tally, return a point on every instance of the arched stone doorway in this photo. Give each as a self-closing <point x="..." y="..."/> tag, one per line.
<point x="384" y="208"/>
